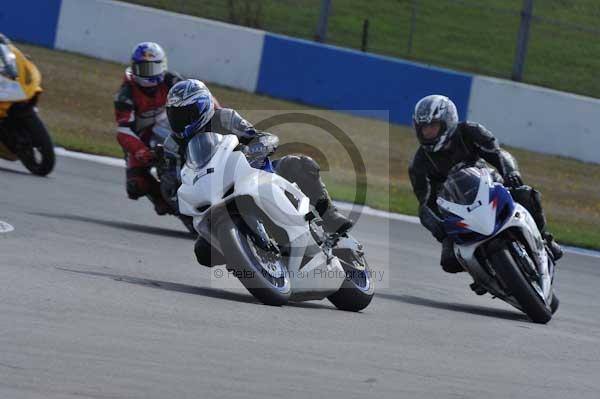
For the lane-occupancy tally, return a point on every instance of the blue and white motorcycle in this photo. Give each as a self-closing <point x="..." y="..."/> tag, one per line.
<point x="498" y="243"/>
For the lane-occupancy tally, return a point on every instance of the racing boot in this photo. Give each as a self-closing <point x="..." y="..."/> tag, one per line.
<point x="478" y="289"/>
<point x="206" y="255"/>
<point x="333" y="220"/>
<point x="556" y="250"/>
<point x="161" y="207"/>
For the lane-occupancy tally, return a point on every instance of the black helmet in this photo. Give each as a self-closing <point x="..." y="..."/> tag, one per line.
<point x="189" y="103"/>
<point x="431" y="109"/>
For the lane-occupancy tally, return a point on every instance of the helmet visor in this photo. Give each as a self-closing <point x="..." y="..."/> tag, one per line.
<point x="148" y="69"/>
<point x="180" y="117"/>
<point x="429" y="133"/>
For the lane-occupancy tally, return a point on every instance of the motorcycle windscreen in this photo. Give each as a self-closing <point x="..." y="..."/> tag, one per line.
<point x="462" y="186"/>
<point x="201" y="149"/>
<point x="8" y="62"/>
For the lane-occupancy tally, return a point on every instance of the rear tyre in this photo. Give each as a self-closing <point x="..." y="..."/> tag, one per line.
<point x="358" y="287"/>
<point x="519" y="287"/>
<point x="37" y="154"/>
<point x="262" y="272"/>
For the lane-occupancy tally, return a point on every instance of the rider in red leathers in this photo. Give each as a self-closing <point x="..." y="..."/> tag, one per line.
<point x="139" y="105"/>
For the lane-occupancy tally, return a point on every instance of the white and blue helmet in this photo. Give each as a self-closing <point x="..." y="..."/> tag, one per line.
<point x="435" y="108"/>
<point x="148" y="64"/>
<point x="189" y="103"/>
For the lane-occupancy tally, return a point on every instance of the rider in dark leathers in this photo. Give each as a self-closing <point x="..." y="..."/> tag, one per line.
<point x="191" y="111"/>
<point x="139" y="106"/>
<point x="445" y="143"/>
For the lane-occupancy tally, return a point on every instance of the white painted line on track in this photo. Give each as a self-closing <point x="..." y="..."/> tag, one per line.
<point x="582" y="251"/>
<point x="345" y="206"/>
<point x="89" y="157"/>
<point x="5" y="227"/>
<point x="367" y="210"/>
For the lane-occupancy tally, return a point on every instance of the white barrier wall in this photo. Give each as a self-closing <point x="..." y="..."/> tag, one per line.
<point x="205" y="49"/>
<point x="537" y="119"/>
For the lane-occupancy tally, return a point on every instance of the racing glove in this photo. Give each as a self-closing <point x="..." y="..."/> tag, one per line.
<point x="513" y="180"/>
<point x="144" y="155"/>
<point x="259" y="148"/>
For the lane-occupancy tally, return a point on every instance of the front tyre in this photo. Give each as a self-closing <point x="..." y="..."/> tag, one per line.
<point x="358" y="287"/>
<point x="35" y="150"/>
<point x="519" y="287"/>
<point x="262" y="272"/>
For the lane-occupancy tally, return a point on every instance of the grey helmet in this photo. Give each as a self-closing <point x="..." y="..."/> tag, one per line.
<point x="435" y="108"/>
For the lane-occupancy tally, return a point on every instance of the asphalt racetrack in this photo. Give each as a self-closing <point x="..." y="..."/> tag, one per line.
<point x="101" y="298"/>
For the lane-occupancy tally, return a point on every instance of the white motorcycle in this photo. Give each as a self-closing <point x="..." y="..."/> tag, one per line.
<point x="261" y="226"/>
<point x="498" y="243"/>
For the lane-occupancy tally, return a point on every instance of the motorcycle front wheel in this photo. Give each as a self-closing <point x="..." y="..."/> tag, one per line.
<point x="262" y="272"/>
<point x="35" y="148"/>
<point x="506" y="267"/>
<point x="358" y="287"/>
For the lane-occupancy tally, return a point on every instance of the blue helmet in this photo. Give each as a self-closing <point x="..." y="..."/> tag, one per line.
<point x="189" y="103"/>
<point x="148" y="64"/>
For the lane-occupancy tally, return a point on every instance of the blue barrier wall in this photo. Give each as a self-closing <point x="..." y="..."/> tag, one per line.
<point x="337" y="78"/>
<point x="32" y="21"/>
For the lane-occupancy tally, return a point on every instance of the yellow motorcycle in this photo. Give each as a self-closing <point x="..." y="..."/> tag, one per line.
<point x="22" y="133"/>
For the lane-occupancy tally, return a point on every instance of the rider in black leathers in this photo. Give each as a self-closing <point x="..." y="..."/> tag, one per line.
<point x="446" y="142"/>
